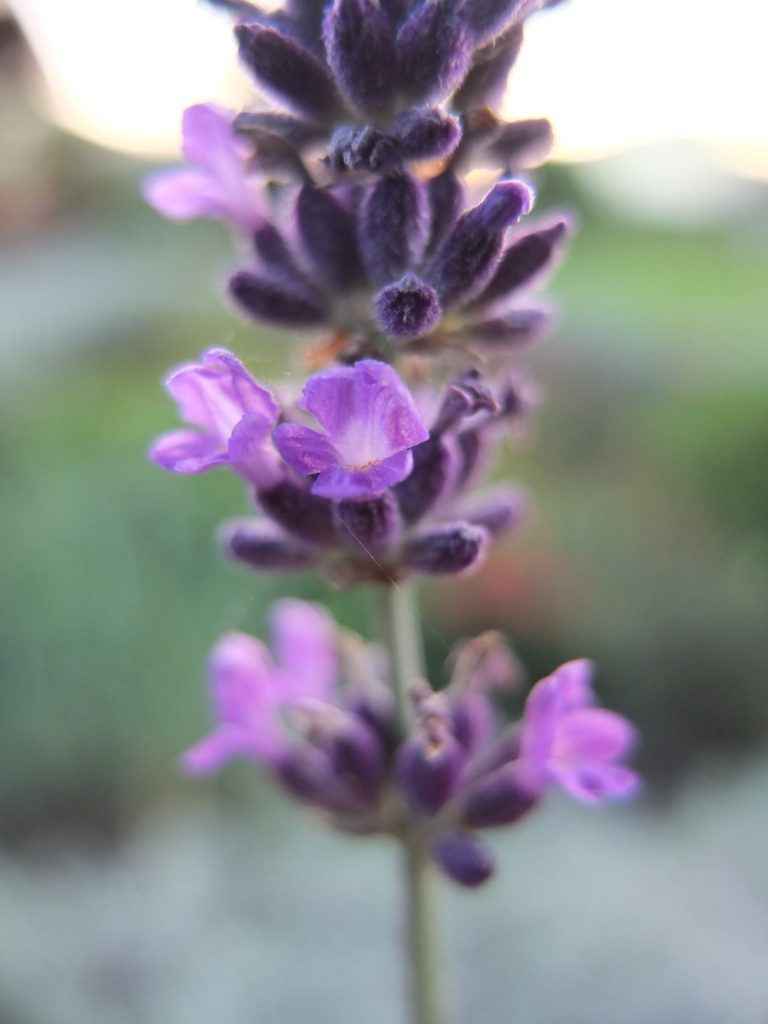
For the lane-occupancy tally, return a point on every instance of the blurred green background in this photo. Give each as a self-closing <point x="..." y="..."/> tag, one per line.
<point x="648" y="553"/>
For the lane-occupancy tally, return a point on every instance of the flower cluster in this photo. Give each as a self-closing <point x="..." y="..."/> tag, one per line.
<point x="371" y="495"/>
<point x="319" y="715"/>
<point x="365" y="230"/>
<point x="350" y="205"/>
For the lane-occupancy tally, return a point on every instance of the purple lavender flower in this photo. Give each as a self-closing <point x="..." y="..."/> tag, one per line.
<point x="217" y="183"/>
<point x="567" y="740"/>
<point x="235" y="416"/>
<point x="249" y="689"/>
<point x="370" y="425"/>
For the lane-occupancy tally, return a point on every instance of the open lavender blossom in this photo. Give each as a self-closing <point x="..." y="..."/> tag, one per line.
<point x="234" y="416"/>
<point x="566" y="740"/>
<point x="318" y="714"/>
<point x="370" y="424"/>
<point x="251" y="688"/>
<point x="217" y="182"/>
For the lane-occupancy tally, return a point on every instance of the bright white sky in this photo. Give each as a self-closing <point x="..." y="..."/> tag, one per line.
<point x="610" y="74"/>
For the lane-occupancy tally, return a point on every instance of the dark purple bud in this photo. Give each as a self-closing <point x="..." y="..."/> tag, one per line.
<point x="527" y="257"/>
<point x="308" y="773"/>
<point x="498" y="511"/>
<point x="292" y="129"/>
<point x="521" y="143"/>
<point x="395" y="10"/>
<point x="362" y="149"/>
<point x="353" y="748"/>
<point x="446" y="549"/>
<point x="468" y="257"/>
<point x="279" y="301"/>
<point x="473" y="450"/>
<point x="445" y="195"/>
<point x="392" y="227"/>
<point x="361" y="53"/>
<point x="473" y="722"/>
<point x="368" y="527"/>
<point x="517" y="329"/>
<point x="429" y="764"/>
<point x="434" y="52"/>
<point x="358" y="758"/>
<point x="466" y="396"/>
<point x="273" y="251"/>
<point x="327" y="231"/>
<point x="407" y="309"/>
<point x="427" y="134"/>
<point x="464" y="858"/>
<point x="303" y="514"/>
<point x="489" y="18"/>
<point x="259" y="545"/>
<point x="428" y="481"/>
<point x="496" y="799"/>
<point x="485" y="83"/>
<point x="288" y="70"/>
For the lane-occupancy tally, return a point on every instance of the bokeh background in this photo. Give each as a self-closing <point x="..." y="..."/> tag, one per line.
<point x="130" y="895"/>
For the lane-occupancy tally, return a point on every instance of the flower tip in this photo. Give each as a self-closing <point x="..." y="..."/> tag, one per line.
<point x="407" y="309"/>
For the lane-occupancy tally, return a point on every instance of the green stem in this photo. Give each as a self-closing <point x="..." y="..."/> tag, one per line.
<point x="400" y="622"/>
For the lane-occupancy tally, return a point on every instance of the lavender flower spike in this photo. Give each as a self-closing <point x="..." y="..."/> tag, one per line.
<point x="370" y="424"/>
<point x="249" y="688"/>
<point x="565" y="739"/>
<point x="217" y="183"/>
<point x="235" y="416"/>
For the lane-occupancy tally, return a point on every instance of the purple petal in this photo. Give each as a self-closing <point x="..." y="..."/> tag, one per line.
<point x="368" y="412"/>
<point x="360" y="484"/>
<point x="601" y="780"/>
<point x="218" y="392"/>
<point x="575" y="678"/>
<point x="210" y="753"/>
<point x="249" y="453"/>
<point x="540" y="719"/>
<point x="187" y="451"/>
<point x="241" y="678"/>
<point x="303" y="640"/>
<point x="304" y="449"/>
<point x="182" y="193"/>
<point x="593" y="734"/>
<point x="207" y="136"/>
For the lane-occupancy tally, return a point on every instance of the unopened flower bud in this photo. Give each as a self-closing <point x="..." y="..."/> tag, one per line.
<point x="361" y="53"/>
<point x="464" y="858"/>
<point x="429" y="765"/>
<point x="260" y="545"/>
<point x="408" y="309"/>
<point x="392" y="227"/>
<point x="282" y="66"/>
<point x="447" y="549"/>
<point x="434" y="51"/>
<point x="499" y="798"/>
<point x="279" y="301"/>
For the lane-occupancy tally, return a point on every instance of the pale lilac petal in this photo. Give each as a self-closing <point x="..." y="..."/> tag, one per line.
<point x="241" y="677"/>
<point x="366" y="409"/>
<point x="593" y="734"/>
<point x="343" y="484"/>
<point x="250" y="454"/>
<point x="212" y="751"/>
<point x="245" y="693"/>
<point x="593" y="782"/>
<point x="187" y="451"/>
<point x="576" y="683"/>
<point x="540" y="720"/>
<point x="304" y="449"/>
<point x="304" y="644"/>
<point x="216" y="393"/>
<point x="182" y="193"/>
<point x="207" y="134"/>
